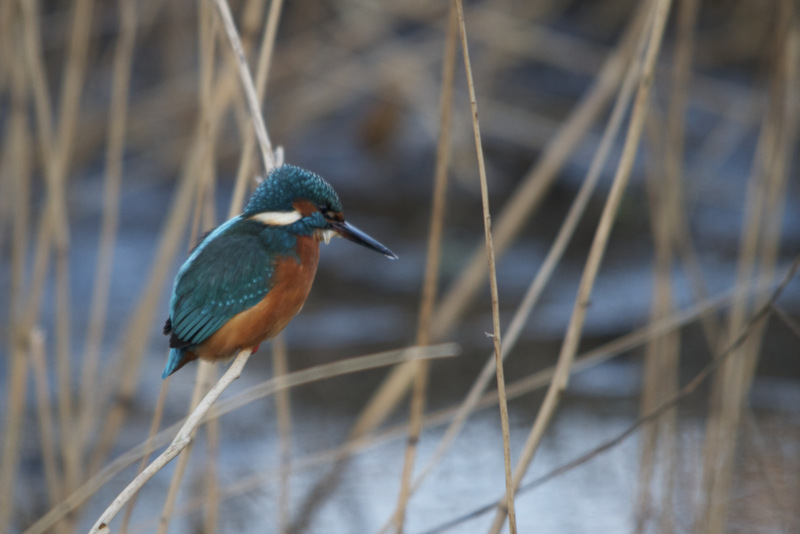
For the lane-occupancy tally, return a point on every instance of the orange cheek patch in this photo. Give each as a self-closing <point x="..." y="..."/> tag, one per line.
<point x="305" y="207"/>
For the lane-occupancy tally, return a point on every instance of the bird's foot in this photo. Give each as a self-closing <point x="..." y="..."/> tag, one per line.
<point x="255" y="349"/>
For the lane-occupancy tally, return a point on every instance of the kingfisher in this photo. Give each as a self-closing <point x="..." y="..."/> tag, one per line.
<point x="250" y="276"/>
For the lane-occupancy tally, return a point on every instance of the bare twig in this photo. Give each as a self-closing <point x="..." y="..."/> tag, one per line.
<point x="429" y="287"/>
<point x="154" y="424"/>
<point x="569" y="348"/>
<point x="543" y="275"/>
<point x="280" y="369"/>
<point x="182" y="439"/>
<point x="487" y="227"/>
<point x="267" y="155"/>
<point x="667" y="405"/>
<point x="118" y="117"/>
<point x="306" y="376"/>
<point x="262" y="76"/>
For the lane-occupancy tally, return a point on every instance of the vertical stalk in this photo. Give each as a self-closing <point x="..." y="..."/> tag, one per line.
<point x="487" y="226"/>
<point x="660" y="10"/>
<point x="428" y="298"/>
<point x="123" y="59"/>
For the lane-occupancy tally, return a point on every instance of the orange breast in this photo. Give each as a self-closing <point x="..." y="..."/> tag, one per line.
<point x="291" y="283"/>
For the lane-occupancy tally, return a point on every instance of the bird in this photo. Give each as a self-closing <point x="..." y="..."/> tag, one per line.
<point x="251" y="275"/>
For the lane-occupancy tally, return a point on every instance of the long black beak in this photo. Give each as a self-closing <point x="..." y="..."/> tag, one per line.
<point x="350" y="232"/>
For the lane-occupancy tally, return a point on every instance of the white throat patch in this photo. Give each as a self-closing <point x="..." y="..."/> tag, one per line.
<point x="327" y="235"/>
<point x="277" y="218"/>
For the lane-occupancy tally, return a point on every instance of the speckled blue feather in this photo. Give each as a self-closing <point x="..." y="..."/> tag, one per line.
<point x="285" y="185"/>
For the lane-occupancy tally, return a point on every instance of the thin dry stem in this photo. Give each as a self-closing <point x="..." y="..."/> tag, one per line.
<point x="534" y="186"/>
<point x="523" y="202"/>
<point x="525" y="385"/>
<point x="487" y="227"/>
<point x="280" y="369"/>
<point x="306" y="376"/>
<point x="118" y="116"/>
<point x="181" y="441"/>
<point x="543" y="275"/>
<point x="207" y="26"/>
<point x="202" y="379"/>
<point x="17" y="385"/>
<point x="17" y="158"/>
<point x="759" y="244"/>
<point x="431" y="266"/>
<point x="267" y="155"/>
<point x="158" y="413"/>
<point x="753" y="324"/>
<point x="660" y="9"/>
<point x="262" y="77"/>
<point x="55" y="150"/>
<point x="46" y="425"/>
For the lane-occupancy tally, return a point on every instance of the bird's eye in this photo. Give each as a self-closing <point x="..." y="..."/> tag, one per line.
<point x="326" y="211"/>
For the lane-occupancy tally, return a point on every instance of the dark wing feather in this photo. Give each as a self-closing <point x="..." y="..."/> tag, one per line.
<point x="226" y="275"/>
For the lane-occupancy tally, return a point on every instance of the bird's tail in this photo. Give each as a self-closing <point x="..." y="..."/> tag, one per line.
<point x="177" y="359"/>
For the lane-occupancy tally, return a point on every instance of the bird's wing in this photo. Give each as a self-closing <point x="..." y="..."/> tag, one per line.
<point x="228" y="273"/>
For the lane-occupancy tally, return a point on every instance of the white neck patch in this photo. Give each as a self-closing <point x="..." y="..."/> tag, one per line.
<point x="326" y="235"/>
<point x="277" y="218"/>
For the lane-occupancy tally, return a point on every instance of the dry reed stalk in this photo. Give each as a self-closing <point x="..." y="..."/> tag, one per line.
<point x="17" y="386"/>
<point x="267" y="154"/>
<point x="118" y="117"/>
<point x="523" y="202"/>
<point x="433" y="257"/>
<point x="121" y="379"/>
<point x="154" y="424"/>
<point x="262" y="76"/>
<point x="54" y="229"/>
<point x="659" y="441"/>
<point x="306" y="376"/>
<point x="487" y="226"/>
<point x="210" y="120"/>
<point x="525" y="385"/>
<point x="338" y="368"/>
<point x="207" y="36"/>
<point x="182" y="439"/>
<point x="16" y="165"/>
<point x="280" y="369"/>
<point x="72" y="86"/>
<point x="199" y="393"/>
<point x="759" y="245"/>
<point x="522" y="386"/>
<point x="55" y="488"/>
<point x="535" y="184"/>
<point x="210" y="477"/>
<point x="775" y="504"/>
<point x="660" y="10"/>
<point x="551" y="261"/>
<point x="754" y="322"/>
<point x="209" y="126"/>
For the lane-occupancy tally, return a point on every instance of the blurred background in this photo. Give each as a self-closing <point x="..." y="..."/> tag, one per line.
<point x="124" y="129"/>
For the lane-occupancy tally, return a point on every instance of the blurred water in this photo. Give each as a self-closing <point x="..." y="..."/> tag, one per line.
<point x="363" y="303"/>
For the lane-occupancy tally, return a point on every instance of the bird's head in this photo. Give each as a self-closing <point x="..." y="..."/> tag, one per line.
<point x="303" y="203"/>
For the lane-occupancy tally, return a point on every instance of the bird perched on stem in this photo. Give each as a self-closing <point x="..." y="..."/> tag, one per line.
<point x="246" y="280"/>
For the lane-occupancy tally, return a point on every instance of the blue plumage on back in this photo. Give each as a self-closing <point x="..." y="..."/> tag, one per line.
<point x="222" y="278"/>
